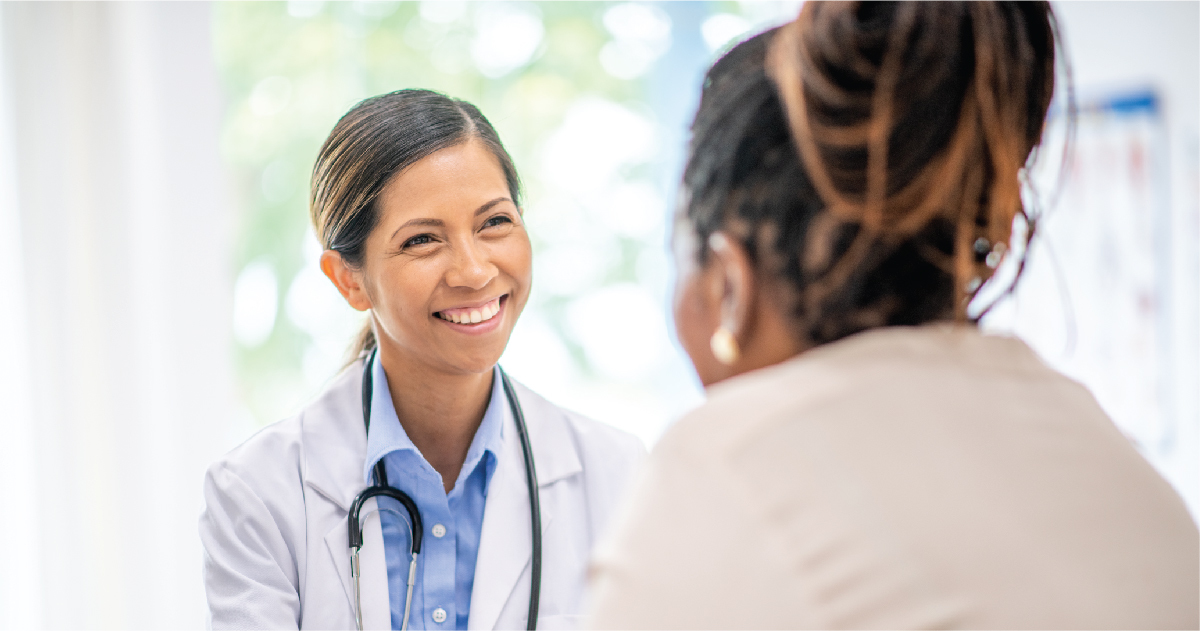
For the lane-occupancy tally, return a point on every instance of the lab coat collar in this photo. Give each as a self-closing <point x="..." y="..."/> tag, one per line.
<point x="335" y="439"/>
<point x="335" y="445"/>
<point x="505" y="546"/>
<point x="554" y="451"/>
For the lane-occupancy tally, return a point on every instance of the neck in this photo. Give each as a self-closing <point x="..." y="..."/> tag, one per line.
<point x="439" y="412"/>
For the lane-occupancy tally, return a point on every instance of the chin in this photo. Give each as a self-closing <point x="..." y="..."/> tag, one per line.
<point x="475" y="368"/>
<point x="474" y="363"/>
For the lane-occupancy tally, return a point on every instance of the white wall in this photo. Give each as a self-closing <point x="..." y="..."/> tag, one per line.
<point x="1116" y="45"/>
<point x="1111" y="292"/>
<point x="114" y="350"/>
<point x="1121" y="44"/>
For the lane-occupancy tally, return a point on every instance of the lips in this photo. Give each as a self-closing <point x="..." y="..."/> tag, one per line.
<point x="472" y="315"/>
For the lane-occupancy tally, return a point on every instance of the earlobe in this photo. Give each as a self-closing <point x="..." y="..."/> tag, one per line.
<point x="735" y="273"/>
<point x="347" y="279"/>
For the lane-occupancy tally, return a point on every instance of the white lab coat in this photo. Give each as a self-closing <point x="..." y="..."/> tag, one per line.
<point x="274" y="529"/>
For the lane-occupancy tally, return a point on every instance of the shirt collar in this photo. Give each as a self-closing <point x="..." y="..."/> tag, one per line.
<point x="386" y="435"/>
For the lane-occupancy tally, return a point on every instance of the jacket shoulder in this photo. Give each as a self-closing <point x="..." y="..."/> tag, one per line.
<point x="272" y="448"/>
<point x="591" y="437"/>
<point x="601" y="440"/>
<point x="281" y="446"/>
<point x="255" y="521"/>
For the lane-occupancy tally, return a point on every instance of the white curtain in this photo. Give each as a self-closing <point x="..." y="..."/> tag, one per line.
<point x="115" y="384"/>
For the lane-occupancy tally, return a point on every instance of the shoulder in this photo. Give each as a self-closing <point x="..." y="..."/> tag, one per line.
<point x="280" y="454"/>
<point x="581" y="463"/>
<point x="594" y="439"/>
<point x="742" y="407"/>
<point x="275" y="448"/>
<point x="888" y="372"/>
<point x="258" y="516"/>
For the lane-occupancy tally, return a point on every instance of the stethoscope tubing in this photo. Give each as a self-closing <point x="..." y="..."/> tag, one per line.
<point x="535" y="505"/>
<point x="418" y="533"/>
<point x="382" y="488"/>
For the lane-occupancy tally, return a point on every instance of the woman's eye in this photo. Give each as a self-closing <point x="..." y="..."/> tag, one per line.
<point x="496" y="221"/>
<point x="420" y="239"/>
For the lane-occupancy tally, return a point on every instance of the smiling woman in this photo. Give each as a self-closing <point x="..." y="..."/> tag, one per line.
<point x="448" y="245"/>
<point x="393" y="134"/>
<point x="416" y="203"/>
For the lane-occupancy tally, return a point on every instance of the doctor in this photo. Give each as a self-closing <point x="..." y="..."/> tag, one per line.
<point x="416" y="203"/>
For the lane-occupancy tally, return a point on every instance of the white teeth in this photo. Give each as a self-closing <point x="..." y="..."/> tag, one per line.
<point x="484" y="313"/>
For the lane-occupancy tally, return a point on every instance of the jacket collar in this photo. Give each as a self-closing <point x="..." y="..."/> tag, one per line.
<point x="335" y="439"/>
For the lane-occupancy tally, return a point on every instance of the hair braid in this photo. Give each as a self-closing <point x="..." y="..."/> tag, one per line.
<point x="862" y="82"/>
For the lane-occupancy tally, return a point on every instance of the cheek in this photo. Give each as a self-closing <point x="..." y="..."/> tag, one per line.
<point x="401" y="295"/>
<point x="515" y="258"/>
<point x="694" y="321"/>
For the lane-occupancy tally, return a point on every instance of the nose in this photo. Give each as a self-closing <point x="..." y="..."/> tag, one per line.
<point x="471" y="268"/>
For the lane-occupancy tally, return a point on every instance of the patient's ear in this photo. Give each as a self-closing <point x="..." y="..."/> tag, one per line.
<point x="734" y="285"/>
<point x="348" y="280"/>
<point x="751" y="309"/>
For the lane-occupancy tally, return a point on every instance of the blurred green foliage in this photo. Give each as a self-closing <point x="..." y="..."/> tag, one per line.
<point x="291" y="69"/>
<point x="288" y="76"/>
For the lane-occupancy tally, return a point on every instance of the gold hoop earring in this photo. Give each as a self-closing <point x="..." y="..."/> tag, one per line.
<point x="724" y="346"/>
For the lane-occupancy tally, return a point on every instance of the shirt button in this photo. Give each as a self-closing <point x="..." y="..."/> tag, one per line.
<point x="439" y="531"/>
<point x="439" y="615"/>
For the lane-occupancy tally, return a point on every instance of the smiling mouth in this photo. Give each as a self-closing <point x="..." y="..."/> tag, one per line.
<point x="473" y="315"/>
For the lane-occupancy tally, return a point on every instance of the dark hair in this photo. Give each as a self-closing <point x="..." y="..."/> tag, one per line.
<point x="868" y="154"/>
<point x="377" y="139"/>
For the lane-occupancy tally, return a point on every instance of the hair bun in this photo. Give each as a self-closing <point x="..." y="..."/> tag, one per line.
<point x="906" y="113"/>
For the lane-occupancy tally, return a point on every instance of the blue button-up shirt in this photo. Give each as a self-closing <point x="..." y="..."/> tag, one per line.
<point x="446" y="566"/>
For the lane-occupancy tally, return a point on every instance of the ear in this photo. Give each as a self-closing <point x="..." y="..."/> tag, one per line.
<point x="348" y="280"/>
<point x="734" y="283"/>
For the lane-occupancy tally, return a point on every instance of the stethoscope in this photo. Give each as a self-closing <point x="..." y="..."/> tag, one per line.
<point x="381" y="487"/>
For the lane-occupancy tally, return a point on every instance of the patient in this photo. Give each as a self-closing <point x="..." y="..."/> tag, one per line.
<point x="867" y="457"/>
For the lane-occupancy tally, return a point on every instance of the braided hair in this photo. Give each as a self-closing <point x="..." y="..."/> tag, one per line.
<point x="870" y="154"/>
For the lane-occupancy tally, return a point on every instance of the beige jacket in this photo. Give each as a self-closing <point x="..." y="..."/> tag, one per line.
<point x="901" y="478"/>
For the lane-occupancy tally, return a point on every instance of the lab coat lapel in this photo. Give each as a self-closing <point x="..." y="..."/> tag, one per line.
<point x="505" y="546"/>
<point x="504" y="543"/>
<point x="338" y="543"/>
<point x="377" y="611"/>
<point x="336" y="443"/>
<point x="335" y="440"/>
<point x="376" y="605"/>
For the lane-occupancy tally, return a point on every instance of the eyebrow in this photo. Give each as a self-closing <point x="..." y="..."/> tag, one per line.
<point x="439" y="223"/>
